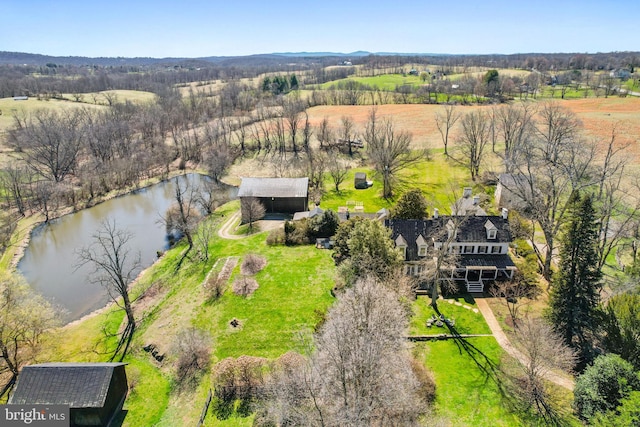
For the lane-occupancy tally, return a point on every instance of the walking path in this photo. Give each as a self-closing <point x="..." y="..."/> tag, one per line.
<point x="263" y="225"/>
<point x="225" y="230"/>
<point x="506" y="345"/>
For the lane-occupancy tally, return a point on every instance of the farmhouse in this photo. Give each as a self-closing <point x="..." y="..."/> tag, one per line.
<point x="95" y="392"/>
<point x="510" y="190"/>
<point x="467" y="204"/>
<point x="480" y="242"/>
<point x="278" y="195"/>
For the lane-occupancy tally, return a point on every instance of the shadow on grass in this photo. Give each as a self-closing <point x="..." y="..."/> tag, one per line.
<point x="505" y="383"/>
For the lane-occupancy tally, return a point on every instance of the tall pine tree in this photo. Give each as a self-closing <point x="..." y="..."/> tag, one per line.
<point x="576" y="285"/>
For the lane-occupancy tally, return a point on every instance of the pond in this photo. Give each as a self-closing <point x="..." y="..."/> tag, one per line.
<point x="49" y="262"/>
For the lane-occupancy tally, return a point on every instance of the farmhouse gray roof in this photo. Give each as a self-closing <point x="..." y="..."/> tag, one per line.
<point x="274" y="187"/>
<point x="471" y="229"/>
<point x="79" y="385"/>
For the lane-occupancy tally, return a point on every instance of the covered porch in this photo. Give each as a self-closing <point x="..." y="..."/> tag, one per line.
<point x="476" y="272"/>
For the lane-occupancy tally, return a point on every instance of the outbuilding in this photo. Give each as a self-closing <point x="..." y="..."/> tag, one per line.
<point x="95" y="392"/>
<point x="278" y="195"/>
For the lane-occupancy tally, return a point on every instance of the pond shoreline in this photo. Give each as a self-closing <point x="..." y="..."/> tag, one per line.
<point x="24" y="242"/>
<point x="25" y="235"/>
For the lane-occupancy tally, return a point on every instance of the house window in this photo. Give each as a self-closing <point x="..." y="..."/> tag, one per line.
<point x="422" y="251"/>
<point x="404" y="251"/>
<point x="468" y="249"/>
<point x="482" y="249"/>
<point x="496" y="249"/>
<point x="491" y="234"/>
<point x="455" y="249"/>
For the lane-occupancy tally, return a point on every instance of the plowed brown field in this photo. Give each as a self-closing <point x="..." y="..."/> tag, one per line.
<point x="597" y="114"/>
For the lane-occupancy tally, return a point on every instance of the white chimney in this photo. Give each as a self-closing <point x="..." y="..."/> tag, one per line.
<point x="466" y="192"/>
<point x="436" y="212"/>
<point x="476" y="200"/>
<point x="505" y="213"/>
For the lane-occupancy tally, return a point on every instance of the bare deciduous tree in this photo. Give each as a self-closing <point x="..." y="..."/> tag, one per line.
<point x="338" y="170"/>
<point x="389" y="151"/>
<point x="514" y="125"/>
<point x="445" y="121"/>
<point x="324" y="133"/>
<point x="24" y="318"/>
<point x="183" y="216"/>
<point x="544" y="351"/>
<point x="114" y="267"/>
<point x="252" y="210"/>
<point x="441" y="259"/>
<point x="347" y="132"/>
<point x="514" y="296"/>
<point x="550" y="168"/>
<point x="218" y="159"/>
<point x="472" y="141"/>
<point x="204" y="234"/>
<point x="291" y="111"/>
<point x="193" y="350"/>
<point x="51" y="142"/>
<point x="360" y="373"/>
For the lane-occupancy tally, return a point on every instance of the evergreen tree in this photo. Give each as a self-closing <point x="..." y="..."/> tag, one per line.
<point x="266" y="84"/>
<point x="411" y="205"/>
<point x="293" y="82"/>
<point x="575" y="295"/>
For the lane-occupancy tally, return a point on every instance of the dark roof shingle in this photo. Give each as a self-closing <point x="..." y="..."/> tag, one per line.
<point x="79" y="385"/>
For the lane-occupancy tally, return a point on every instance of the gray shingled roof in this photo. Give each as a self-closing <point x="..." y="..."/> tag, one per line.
<point x="274" y="187"/>
<point x="79" y="385"/>
<point x="471" y="230"/>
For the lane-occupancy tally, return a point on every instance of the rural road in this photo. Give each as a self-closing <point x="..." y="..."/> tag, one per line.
<point x="506" y="345"/>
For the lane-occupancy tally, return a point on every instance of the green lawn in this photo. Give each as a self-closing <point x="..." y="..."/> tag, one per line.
<point x="294" y="285"/>
<point x="294" y="290"/>
<point x="385" y="82"/>
<point x="434" y="177"/>
<point x="466" y="320"/>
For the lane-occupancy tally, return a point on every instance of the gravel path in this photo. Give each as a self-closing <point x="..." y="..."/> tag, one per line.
<point x="225" y="230"/>
<point x="504" y="342"/>
<point x="263" y="225"/>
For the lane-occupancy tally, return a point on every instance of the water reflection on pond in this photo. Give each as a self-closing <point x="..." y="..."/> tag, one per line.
<point x="50" y="261"/>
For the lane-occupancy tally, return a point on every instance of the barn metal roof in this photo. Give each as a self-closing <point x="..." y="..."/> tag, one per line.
<point x="79" y="385"/>
<point x="274" y="187"/>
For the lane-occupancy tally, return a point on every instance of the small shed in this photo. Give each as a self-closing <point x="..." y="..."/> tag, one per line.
<point x="95" y="392"/>
<point x="278" y="195"/>
<point x="360" y="181"/>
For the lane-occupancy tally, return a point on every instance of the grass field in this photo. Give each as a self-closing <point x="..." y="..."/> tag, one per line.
<point x="387" y="82"/>
<point x="9" y="107"/>
<point x="294" y="288"/>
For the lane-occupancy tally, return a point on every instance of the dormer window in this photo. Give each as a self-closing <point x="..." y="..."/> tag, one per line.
<point x="422" y="246"/>
<point x="492" y="230"/>
<point x="401" y="244"/>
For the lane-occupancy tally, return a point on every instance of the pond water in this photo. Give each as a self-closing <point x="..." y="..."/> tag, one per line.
<point x="49" y="262"/>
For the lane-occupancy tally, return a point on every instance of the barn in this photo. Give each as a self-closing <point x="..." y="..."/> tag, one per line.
<point x="278" y="195"/>
<point x="95" y="392"/>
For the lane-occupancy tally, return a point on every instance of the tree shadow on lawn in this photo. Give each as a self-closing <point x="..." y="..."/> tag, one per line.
<point x="490" y="369"/>
<point x="504" y="382"/>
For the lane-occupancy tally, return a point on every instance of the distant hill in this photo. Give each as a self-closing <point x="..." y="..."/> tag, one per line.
<point x="33" y="59"/>
<point x="20" y="58"/>
<point x="281" y="58"/>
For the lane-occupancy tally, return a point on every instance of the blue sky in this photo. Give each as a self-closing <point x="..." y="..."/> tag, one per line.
<point x="196" y="28"/>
